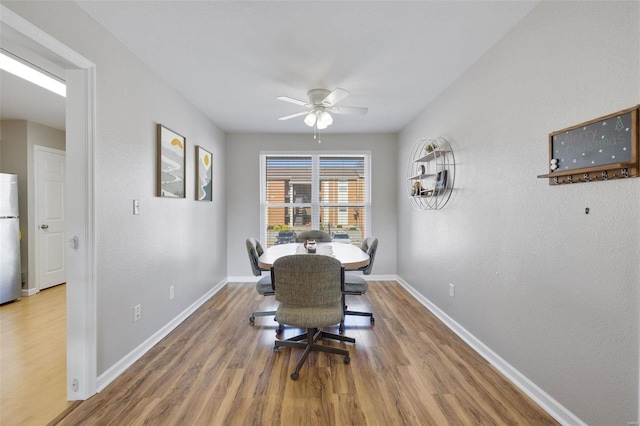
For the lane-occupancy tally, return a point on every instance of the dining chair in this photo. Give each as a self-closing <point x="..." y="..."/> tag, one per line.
<point x="314" y="234"/>
<point x="309" y="289"/>
<point x="263" y="286"/>
<point x="355" y="284"/>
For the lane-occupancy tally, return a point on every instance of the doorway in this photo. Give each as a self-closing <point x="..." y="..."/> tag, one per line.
<point x="80" y="259"/>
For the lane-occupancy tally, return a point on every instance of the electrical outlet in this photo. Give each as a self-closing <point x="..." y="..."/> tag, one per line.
<point x="172" y="292"/>
<point x="452" y="290"/>
<point x="137" y="312"/>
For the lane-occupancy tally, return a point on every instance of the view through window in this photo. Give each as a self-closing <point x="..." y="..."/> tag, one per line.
<point x="318" y="191"/>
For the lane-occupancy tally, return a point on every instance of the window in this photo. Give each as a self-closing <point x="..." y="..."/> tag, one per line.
<point x="318" y="191"/>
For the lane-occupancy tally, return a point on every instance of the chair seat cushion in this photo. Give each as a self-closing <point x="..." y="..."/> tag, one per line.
<point x="263" y="286"/>
<point x="309" y="317"/>
<point x="355" y="284"/>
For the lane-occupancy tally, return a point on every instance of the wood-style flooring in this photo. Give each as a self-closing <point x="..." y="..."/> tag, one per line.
<point x="217" y="369"/>
<point x="33" y="358"/>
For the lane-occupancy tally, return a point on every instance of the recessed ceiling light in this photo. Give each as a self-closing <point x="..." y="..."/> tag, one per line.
<point x="21" y="70"/>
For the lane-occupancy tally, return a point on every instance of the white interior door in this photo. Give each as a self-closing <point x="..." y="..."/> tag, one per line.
<point x="50" y="177"/>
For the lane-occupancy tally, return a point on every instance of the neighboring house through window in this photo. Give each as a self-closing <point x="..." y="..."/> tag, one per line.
<point x="325" y="191"/>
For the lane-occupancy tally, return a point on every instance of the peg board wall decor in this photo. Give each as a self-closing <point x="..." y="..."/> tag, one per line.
<point x="604" y="148"/>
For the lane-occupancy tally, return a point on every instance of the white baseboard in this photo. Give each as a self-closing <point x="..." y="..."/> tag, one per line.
<point x="544" y="400"/>
<point x="119" y="367"/>
<point x="29" y="291"/>
<point x="380" y="277"/>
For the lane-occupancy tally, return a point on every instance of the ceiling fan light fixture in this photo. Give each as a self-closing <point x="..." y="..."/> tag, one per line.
<point x="310" y="119"/>
<point x="321" y="102"/>
<point x="324" y="120"/>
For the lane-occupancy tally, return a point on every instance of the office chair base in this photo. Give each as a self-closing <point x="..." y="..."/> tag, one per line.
<point x="356" y="313"/>
<point x="302" y="341"/>
<point x="253" y="316"/>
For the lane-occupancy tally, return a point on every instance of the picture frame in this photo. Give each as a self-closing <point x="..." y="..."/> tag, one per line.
<point x="204" y="175"/>
<point x="171" y="163"/>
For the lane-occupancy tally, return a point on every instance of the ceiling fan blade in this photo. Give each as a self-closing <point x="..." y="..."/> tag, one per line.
<point x="334" y="97"/>
<point x="349" y="110"/>
<point x="294" y="101"/>
<point x="298" y="114"/>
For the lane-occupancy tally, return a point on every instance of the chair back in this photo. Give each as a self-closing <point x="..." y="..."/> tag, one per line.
<point x="254" y="250"/>
<point x="314" y="234"/>
<point x="370" y="246"/>
<point x="306" y="280"/>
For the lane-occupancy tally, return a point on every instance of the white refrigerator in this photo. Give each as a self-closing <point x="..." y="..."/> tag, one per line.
<point x="10" y="276"/>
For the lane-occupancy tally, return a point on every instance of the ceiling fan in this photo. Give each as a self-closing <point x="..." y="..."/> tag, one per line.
<point x="321" y="104"/>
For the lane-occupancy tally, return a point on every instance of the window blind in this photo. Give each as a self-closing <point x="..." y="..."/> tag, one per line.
<point x="327" y="192"/>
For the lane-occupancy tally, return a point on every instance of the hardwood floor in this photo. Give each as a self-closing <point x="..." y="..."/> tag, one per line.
<point x="215" y="368"/>
<point x="33" y="358"/>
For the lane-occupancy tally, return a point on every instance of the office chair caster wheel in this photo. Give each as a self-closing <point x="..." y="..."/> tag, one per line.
<point x="347" y="360"/>
<point x="294" y="375"/>
<point x="252" y="320"/>
<point x="372" y="320"/>
<point x="275" y="349"/>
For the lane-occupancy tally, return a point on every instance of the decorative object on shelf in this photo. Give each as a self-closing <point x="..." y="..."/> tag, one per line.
<point x="430" y="174"/>
<point x="204" y="175"/>
<point x="604" y="148"/>
<point x="171" y="163"/>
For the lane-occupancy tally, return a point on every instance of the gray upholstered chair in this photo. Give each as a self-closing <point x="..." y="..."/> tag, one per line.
<point x="263" y="286"/>
<point x="309" y="289"/>
<point x="355" y="284"/>
<point x="314" y="234"/>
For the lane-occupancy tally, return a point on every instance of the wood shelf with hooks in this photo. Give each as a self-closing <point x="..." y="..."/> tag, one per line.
<point x="604" y="148"/>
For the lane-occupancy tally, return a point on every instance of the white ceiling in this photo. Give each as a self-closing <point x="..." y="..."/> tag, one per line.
<point x="231" y="59"/>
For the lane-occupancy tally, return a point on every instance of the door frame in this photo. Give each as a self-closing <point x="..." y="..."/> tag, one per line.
<point x="34" y="231"/>
<point x="80" y="193"/>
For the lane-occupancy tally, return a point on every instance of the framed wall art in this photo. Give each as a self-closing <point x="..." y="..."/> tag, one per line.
<point x="204" y="175"/>
<point x="171" y="163"/>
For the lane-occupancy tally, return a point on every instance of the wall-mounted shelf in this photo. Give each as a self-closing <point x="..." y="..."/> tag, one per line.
<point x="431" y="174"/>
<point x="604" y="148"/>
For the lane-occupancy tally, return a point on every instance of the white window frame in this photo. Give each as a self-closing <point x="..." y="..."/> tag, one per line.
<point x="315" y="187"/>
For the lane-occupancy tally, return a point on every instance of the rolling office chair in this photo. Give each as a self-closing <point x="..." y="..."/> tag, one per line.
<point x="314" y="234"/>
<point x="356" y="285"/>
<point x="263" y="286"/>
<point x="309" y="289"/>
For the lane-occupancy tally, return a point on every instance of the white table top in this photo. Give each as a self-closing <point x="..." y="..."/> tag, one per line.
<point x="349" y="255"/>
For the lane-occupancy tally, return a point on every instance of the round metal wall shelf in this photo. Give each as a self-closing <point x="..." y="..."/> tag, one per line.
<point x="431" y="174"/>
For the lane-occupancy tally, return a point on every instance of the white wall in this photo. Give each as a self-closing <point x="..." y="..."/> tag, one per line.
<point x="243" y="189"/>
<point x="551" y="290"/>
<point x="179" y="242"/>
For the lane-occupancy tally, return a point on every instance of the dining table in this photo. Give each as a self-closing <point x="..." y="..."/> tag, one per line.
<point x="351" y="257"/>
